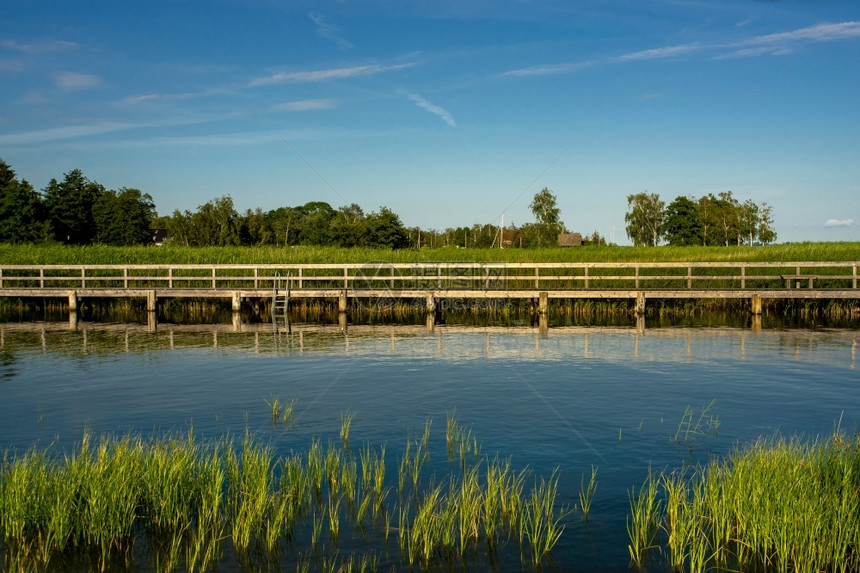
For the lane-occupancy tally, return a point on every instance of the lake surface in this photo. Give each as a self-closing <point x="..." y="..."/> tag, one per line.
<point x="572" y="398"/>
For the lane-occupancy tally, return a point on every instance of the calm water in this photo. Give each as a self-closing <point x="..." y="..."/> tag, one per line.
<point x="569" y="399"/>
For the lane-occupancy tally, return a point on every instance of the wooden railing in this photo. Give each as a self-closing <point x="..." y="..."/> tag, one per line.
<point x="439" y="276"/>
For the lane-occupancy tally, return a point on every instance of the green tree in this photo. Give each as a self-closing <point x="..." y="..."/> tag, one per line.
<point x="544" y="207"/>
<point x="682" y="225"/>
<point x="7" y="174"/>
<point x="215" y="223"/>
<point x="385" y="229"/>
<point x="748" y="221"/>
<point x="313" y="223"/>
<point x="179" y="228"/>
<point x="349" y="227"/>
<point x="706" y="207"/>
<point x="765" y="231"/>
<point x="482" y="235"/>
<point x="254" y="228"/>
<point x="644" y="218"/>
<point x="281" y="222"/>
<point x="70" y="205"/>
<point x="594" y="239"/>
<point x="124" y="217"/>
<point x="23" y="218"/>
<point x="727" y="215"/>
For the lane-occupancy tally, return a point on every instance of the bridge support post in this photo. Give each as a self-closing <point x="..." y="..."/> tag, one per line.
<point x="755" y="323"/>
<point x="640" y="304"/>
<point x="342" y="302"/>
<point x="433" y="311"/>
<point x="237" y="302"/>
<point x="543" y="303"/>
<point x="151" y="300"/>
<point x="73" y="302"/>
<point x="755" y="305"/>
<point x="543" y="325"/>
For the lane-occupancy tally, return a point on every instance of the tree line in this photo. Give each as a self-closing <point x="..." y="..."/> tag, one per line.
<point x="710" y="220"/>
<point x="79" y="211"/>
<point x="76" y="210"/>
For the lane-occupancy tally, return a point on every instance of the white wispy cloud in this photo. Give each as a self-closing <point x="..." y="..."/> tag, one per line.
<point x="780" y="43"/>
<point x="61" y="133"/>
<point x="82" y="130"/>
<point x="264" y="137"/>
<point x="71" y="81"/>
<point x="329" y="31"/>
<point x="662" y="53"/>
<point x="431" y="107"/>
<point x="817" y="33"/>
<point x="786" y="42"/>
<point x="549" y="70"/>
<point x="329" y="74"/>
<point x="839" y="222"/>
<point x="38" y="47"/>
<point x="184" y="96"/>
<point x="307" y="105"/>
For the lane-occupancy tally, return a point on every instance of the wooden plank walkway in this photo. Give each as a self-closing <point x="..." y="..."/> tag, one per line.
<point x="432" y="282"/>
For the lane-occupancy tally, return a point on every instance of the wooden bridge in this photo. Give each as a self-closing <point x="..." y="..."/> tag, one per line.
<point x="429" y="283"/>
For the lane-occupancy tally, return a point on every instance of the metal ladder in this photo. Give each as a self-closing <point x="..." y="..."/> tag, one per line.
<point x="281" y="303"/>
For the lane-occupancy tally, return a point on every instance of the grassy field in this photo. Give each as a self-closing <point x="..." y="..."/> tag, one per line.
<point x="61" y="254"/>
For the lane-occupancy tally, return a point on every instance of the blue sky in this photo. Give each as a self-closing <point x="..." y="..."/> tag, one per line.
<point x="448" y="112"/>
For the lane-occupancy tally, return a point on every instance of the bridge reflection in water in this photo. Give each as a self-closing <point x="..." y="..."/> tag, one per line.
<point x="664" y="344"/>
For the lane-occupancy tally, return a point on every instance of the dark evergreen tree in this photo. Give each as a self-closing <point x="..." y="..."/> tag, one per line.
<point x="7" y="174"/>
<point x="124" y="217"/>
<point x="23" y="218"/>
<point x="70" y="206"/>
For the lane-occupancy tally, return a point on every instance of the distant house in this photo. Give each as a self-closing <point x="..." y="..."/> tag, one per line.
<point x="158" y="236"/>
<point x="569" y="240"/>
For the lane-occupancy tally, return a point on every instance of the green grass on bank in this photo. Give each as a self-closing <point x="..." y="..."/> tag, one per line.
<point x="62" y="254"/>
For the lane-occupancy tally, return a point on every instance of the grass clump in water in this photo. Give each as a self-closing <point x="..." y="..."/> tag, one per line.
<point x="692" y="429"/>
<point x="179" y="503"/>
<point x="586" y="491"/>
<point x="776" y="505"/>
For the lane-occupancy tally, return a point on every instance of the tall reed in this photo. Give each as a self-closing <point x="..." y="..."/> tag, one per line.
<point x="542" y="521"/>
<point x="644" y="520"/>
<point x="586" y="491"/>
<point x="345" y="425"/>
<point x="777" y="504"/>
<point x="185" y="500"/>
